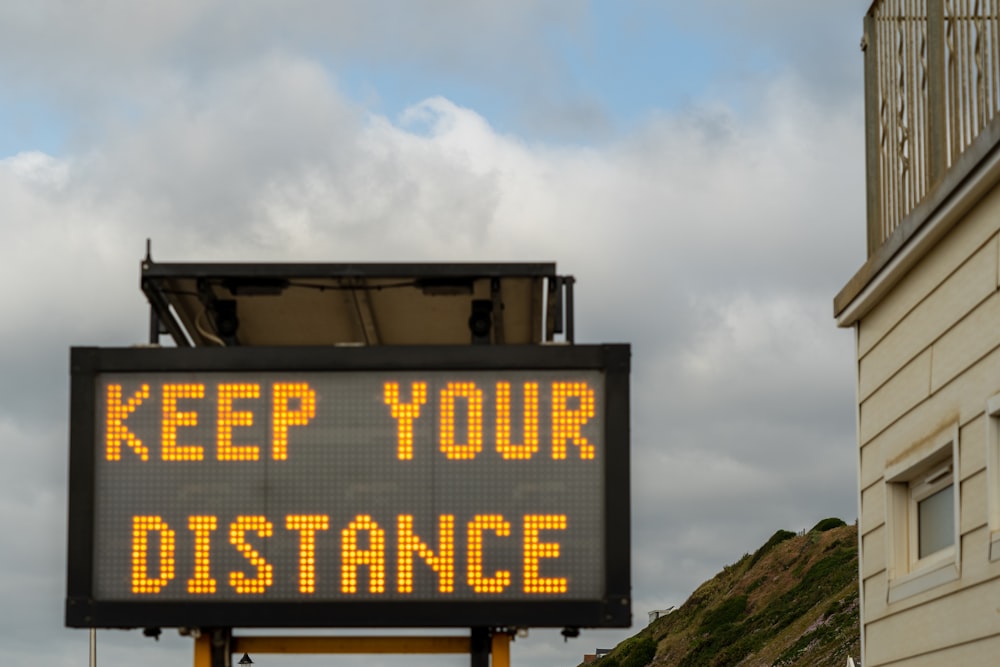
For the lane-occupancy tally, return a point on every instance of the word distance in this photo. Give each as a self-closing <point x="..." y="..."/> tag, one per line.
<point x="364" y="560"/>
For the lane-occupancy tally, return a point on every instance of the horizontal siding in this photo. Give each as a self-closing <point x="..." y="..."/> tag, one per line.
<point x="872" y="463"/>
<point x="906" y="389"/>
<point x="978" y="653"/>
<point x="978" y="227"/>
<point x="976" y="565"/>
<point x="978" y="574"/>
<point x="872" y="507"/>
<point x="965" y="343"/>
<point x="970" y="284"/>
<point x="876" y="594"/>
<point x="873" y="545"/>
<point x="972" y="446"/>
<point x="973" y="497"/>
<point x="967" y="615"/>
<point x="962" y="400"/>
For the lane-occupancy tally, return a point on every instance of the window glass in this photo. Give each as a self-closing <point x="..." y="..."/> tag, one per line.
<point x="936" y="522"/>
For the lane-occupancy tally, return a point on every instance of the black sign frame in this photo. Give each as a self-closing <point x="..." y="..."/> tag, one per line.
<point x="613" y="609"/>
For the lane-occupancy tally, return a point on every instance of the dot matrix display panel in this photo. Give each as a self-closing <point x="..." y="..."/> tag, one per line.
<point x="344" y="486"/>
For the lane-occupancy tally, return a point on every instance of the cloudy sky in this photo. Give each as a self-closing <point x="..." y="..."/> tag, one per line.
<point x="697" y="166"/>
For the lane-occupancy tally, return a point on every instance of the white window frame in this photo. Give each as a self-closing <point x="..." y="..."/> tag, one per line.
<point x="924" y="470"/>
<point x="993" y="473"/>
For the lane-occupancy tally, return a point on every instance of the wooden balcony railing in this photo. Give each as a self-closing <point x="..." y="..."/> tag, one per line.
<point x="932" y="83"/>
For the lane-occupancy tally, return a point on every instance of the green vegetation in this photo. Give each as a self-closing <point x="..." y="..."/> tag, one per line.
<point x="774" y="540"/>
<point x="728" y="612"/>
<point x="635" y="652"/>
<point x="793" y="603"/>
<point x="827" y="524"/>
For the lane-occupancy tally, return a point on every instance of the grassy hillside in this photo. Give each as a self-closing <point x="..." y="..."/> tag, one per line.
<point x="793" y="603"/>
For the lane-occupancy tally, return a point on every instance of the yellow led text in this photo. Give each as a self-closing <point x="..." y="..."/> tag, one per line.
<point x="284" y="417"/>
<point x="362" y="545"/>
<point x="172" y="418"/>
<point x="573" y="405"/>
<point x="142" y="526"/>
<point x="443" y="562"/>
<point x="474" y="420"/>
<point x="117" y="431"/>
<point x="229" y="418"/>
<point x="293" y="404"/>
<point x="351" y="556"/>
<point x="529" y="446"/>
<point x="477" y="581"/>
<point x="567" y="422"/>
<point x="535" y="551"/>
<point x="265" y="571"/>
<point x="307" y="525"/>
<point x="202" y="527"/>
<point x="405" y="414"/>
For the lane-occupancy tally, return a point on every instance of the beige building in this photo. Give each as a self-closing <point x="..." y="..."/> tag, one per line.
<point x="925" y="308"/>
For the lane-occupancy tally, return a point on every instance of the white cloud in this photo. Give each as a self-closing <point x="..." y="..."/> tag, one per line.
<point x="711" y="239"/>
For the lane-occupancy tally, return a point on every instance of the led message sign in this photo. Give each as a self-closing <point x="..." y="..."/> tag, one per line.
<point x="430" y="486"/>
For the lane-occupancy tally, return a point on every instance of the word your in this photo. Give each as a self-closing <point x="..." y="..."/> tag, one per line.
<point x="567" y="422"/>
<point x="410" y="547"/>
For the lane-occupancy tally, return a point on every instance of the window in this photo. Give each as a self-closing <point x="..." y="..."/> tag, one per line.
<point x="993" y="473"/>
<point x="922" y="516"/>
<point x="932" y="512"/>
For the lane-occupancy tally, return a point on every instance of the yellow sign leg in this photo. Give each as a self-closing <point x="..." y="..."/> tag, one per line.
<point x="500" y="650"/>
<point x="203" y="650"/>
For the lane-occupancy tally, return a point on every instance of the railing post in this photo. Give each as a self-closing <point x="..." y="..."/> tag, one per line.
<point x="937" y="130"/>
<point x="873" y="131"/>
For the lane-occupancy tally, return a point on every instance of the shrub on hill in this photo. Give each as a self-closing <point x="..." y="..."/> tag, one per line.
<point x="634" y="652"/>
<point x="827" y="524"/>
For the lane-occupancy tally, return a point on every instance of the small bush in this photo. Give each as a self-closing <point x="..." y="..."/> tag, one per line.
<point x="640" y="654"/>
<point x="828" y="524"/>
<point x="729" y="611"/>
<point x="634" y="652"/>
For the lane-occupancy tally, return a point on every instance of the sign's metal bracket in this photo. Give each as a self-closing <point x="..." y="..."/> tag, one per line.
<point x="215" y="648"/>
